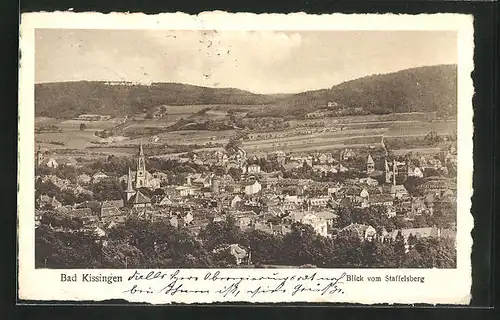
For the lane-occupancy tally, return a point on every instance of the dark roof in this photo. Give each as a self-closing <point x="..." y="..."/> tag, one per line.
<point x="381" y="198"/>
<point x="81" y="212"/>
<point x="110" y="211"/>
<point x="140" y="198"/>
<point x="358" y="229"/>
<point x="112" y="203"/>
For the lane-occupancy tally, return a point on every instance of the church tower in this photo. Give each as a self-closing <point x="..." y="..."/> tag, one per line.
<point x="394" y="172"/>
<point x="140" y="178"/>
<point x="370" y="164"/>
<point x="39" y="157"/>
<point x="387" y="172"/>
<point x="129" y="192"/>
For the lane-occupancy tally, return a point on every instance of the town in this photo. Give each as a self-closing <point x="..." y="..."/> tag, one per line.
<point x="359" y="207"/>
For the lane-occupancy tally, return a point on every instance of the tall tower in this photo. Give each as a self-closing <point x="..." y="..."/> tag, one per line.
<point x="370" y="164"/>
<point x="387" y="172"/>
<point x="129" y="192"/>
<point x="394" y="172"/>
<point x="39" y="156"/>
<point x="140" y="178"/>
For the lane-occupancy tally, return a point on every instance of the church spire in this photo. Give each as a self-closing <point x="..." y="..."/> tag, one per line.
<point x="387" y="171"/>
<point x="129" y="191"/>
<point x="394" y="172"/>
<point x="140" y="179"/>
<point x="129" y="181"/>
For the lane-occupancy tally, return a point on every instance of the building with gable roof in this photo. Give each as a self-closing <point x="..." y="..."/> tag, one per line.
<point x="362" y="231"/>
<point x="370" y="164"/>
<point x="139" y="200"/>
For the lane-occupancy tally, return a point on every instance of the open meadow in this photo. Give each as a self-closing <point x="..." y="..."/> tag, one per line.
<point x="301" y="135"/>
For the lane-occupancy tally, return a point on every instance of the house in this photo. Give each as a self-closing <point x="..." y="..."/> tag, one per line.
<point x="414" y="171"/>
<point x="68" y="161"/>
<point x="244" y="222"/>
<point x="253" y="188"/>
<point x="347" y="154"/>
<point x="292" y="165"/>
<point x="188" y="219"/>
<point x="391" y="211"/>
<point x="369" y="181"/>
<point x="83" y="179"/>
<point x="253" y="168"/>
<point x="99" y="232"/>
<point x="334" y="190"/>
<point x="399" y="191"/>
<point x="418" y="206"/>
<point x="234" y="202"/>
<point x="98" y="177"/>
<point x="280" y="157"/>
<point x="319" y="225"/>
<point x="318" y="202"/>
<point x="185" y="191"/>
<point x="174" y="222"/>
<point x="139" y="200"/>
<point x="362" y="231"/>
<point x="381" y="200"/>
<point x="154" y="138"/>
<point x="429" y="232"/>
<point x="200" y="180"/>
<point x="328" y="216"/>
<point x="165" y="201"/>
<point x="46" y="201"/>
<point x="364" y="193"/>
<point x="50" y="163"/>
<point x="325" y="158"/>
<point x="110" y="209"/>
<point x="340" y="168"/>
<point x="234" y="250"/>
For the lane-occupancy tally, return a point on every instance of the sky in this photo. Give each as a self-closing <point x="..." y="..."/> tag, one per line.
<point x="257" y="61"/>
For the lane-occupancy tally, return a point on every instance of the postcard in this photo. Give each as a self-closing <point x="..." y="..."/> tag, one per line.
<point x="238" y="157"/>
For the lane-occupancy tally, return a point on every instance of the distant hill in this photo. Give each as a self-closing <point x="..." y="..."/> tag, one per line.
<point x="69" y="99"/>
<point x="422" y="89"/>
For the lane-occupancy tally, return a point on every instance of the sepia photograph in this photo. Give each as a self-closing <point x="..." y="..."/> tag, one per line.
<point x="245" y="149"/>
<point x="237" y="157"/>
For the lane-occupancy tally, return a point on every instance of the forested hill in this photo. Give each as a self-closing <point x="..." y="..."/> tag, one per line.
<point x="422" y="89"/>
<point x="69" y="99"/>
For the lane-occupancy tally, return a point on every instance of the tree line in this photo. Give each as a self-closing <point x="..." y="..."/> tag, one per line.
<point x="139" y="243"/>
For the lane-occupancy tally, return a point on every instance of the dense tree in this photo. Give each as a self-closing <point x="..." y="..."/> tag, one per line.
<point x="344" y="218"/>
<point x="107" y="189"/>
<point x="436" y="253"/>
<point x="265" y="248"/>
<point x="235" y="173"/>
<point x="348" y="251"/>
<point x="399" y="249"/>
<point x="233" y="145"/>
<point x="58" y="249"/>
<point x="220" y="232"/>
<point x="413" y="259"/>
<point x="444" y="214"/>
<point x="377" y="254"/>
<point x="59" y="220"/>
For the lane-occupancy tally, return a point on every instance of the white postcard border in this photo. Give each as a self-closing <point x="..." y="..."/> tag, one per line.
<point x="441" y="286"/>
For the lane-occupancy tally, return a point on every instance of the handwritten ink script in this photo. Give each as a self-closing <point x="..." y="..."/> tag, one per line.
<point x="223" y="285"/>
